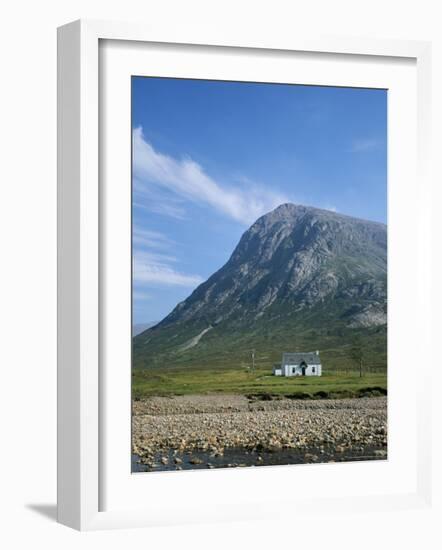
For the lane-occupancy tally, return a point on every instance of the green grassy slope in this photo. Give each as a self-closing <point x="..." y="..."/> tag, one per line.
<point x="228" y="345"/>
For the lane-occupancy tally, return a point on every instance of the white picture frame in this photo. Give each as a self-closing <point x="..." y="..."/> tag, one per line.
<point x="82" y="396"/>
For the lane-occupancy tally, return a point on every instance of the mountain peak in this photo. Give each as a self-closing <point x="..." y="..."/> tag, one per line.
<point x="289" y="211"/>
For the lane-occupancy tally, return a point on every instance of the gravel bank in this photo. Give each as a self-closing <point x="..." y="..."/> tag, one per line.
<point x="215" y="423"/>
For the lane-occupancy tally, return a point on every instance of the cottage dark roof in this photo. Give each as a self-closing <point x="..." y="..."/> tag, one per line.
<point x="310" y="358"/>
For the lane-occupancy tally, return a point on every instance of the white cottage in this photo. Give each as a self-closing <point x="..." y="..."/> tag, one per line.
<point x="299" y="364"/>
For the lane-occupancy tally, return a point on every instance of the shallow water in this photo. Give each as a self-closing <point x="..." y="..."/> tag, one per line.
<point x="240" y="458"/>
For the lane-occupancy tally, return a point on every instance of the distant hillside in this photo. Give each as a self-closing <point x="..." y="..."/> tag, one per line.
<point x="141" y="327"/>
<point x="300" y="278"/>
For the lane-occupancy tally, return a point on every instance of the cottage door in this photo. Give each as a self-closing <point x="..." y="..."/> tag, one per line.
<point x="303" y="366"/>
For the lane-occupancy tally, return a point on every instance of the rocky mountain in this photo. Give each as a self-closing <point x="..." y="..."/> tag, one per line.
<point x="300" y="278"/>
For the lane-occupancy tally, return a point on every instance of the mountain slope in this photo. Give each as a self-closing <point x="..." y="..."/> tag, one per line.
<point x="141" y="327"/>
<point x="300" y="278"/>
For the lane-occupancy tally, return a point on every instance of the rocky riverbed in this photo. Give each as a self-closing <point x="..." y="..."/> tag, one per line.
<point x="203" y="431"/>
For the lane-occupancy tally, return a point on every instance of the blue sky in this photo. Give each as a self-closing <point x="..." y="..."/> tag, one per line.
<point x="210" y="157"/>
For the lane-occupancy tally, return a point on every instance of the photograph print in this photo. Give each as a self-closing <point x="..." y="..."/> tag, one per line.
<point x="259" y="275"/>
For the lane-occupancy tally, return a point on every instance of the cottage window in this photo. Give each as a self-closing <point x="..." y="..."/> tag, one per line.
<point x="313" y="370"/>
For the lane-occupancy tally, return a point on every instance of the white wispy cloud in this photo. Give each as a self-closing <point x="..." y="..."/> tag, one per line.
<point x="154" y="263"/>
<point x="188" y="179"/>
<point x="156" y="268"/>
<point x="147" y="238"/>
<point x="140" y="296"/>
<point x="157" y="201"/>
<point x="363" y="145"/>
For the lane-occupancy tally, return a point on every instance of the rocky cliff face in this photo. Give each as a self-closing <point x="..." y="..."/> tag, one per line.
<point x="297" y="269"/>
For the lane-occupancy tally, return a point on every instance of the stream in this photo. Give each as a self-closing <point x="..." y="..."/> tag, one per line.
<point x="238" y="457"/>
